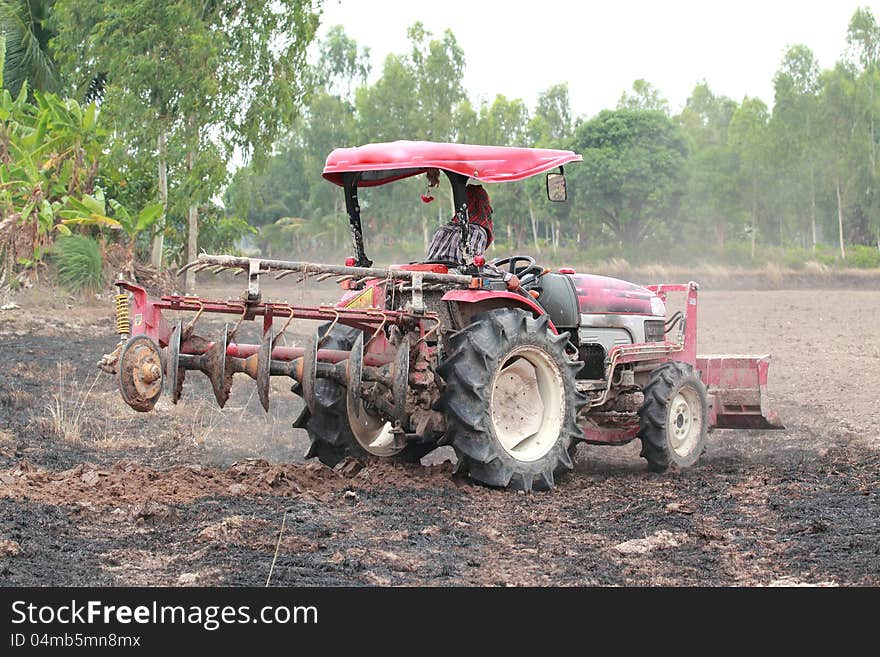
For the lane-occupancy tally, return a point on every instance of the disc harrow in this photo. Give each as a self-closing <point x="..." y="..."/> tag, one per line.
<point x="392" y="351"/>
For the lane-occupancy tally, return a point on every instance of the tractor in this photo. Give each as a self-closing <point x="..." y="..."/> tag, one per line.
<point x="419" y="355"/>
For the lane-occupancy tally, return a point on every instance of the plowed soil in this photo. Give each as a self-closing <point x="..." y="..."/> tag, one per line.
<point x="93" y="493"/>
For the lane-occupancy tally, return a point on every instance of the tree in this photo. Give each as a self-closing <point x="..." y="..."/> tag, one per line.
<point x="234" y="78"/>
<point x="713" y="194"/>
<point x="749" y="137"/>
<point x="863" y="38"/>
<point x="644" y="97"/>
<point x="632" y="174"/>
<point x="551" y="127"/>
<point x="417" y="94"/>
<point x="795" y="126"/>
<point x="551" y="124"/>
<point x="342" y="64"/>
<point x="390" y="107"/>
<point x="839" y="120"/>
<point x="438" y="65"/>
<point x="26" y="27"/>
<point x="503" y="123"/>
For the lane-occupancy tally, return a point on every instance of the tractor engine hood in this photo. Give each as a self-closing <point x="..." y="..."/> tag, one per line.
<point x="604" y="295"/>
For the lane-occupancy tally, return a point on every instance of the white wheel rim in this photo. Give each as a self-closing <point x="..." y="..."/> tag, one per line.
<point x="684" y="422"/>
<point x="372" y="433"/>
<point x="528" y="404"/>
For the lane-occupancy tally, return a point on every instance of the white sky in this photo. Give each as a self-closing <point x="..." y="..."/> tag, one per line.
<point x="519" y="48"/>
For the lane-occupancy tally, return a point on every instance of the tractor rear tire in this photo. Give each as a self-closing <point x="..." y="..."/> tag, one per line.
<point x="674" y="417"/>
<point x="510" y="400"/>
<point x="328" y="428"/>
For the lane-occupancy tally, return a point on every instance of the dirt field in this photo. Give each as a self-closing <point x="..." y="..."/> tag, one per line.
<point x="92" y="493"/>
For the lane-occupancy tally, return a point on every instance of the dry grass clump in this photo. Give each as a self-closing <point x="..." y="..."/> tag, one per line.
<point x="67" y="409"/>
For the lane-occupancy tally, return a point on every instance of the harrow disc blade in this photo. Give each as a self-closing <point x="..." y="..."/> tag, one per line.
<point x="175" y="374"/>
<point x="264" y="364"/>
<point x="374" y="434"/>
<point x="139" y="373"/>
<point x="309" y="371"/>
<point x="214" y="366"/>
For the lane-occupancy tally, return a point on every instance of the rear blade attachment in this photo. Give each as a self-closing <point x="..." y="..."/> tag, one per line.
<point x="737" y="392"/>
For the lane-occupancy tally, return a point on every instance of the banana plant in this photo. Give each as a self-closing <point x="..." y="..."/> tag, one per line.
<point x="91" y="210"/>
<point x="49" y="154"/>
<point x="134" y="225"/>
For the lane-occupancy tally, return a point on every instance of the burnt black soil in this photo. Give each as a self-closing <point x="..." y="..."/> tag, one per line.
<point x="816" y="521"/>
<point x="173" y="497"/>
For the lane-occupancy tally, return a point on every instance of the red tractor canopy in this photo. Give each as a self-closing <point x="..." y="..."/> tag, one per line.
<point x="382" y="163"/>
<point x="377" y="164"/>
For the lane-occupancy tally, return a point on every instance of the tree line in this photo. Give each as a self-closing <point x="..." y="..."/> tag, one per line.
<point x="722" y="180"/>
<point x="119" y="120"/>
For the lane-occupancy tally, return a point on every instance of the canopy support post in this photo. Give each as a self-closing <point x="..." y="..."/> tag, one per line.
<point x="459" y="198"/>
<point x="350" y="185"/>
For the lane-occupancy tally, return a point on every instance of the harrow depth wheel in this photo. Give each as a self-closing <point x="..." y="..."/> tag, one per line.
<point x="139" y="373"/>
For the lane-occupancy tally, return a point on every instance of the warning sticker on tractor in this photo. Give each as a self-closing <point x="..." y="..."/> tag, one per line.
<point x="364" y="300"/>
<point x="138" y="319"/>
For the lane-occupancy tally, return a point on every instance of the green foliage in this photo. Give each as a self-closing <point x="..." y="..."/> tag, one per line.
<point x="80" y="267"/>
<point x="632" y="173"/>
<point x="732" y="182"/>
<point x="644" y="97"/>
<point x="551" y="125"/>
<point x="203" y="79"/>
<point x="342" y="63"/>
<point x="27" y="58"/>
<point x="133" y="225"/>
<point x="219" y="233"/>
<point x="863" y="256"/>
<point x="49" y="160"/>
<point x="736" y="182"/>
<point x="417" y="93"/>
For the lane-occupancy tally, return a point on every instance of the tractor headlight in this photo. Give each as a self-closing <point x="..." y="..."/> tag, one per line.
<point x="658" y="307"/>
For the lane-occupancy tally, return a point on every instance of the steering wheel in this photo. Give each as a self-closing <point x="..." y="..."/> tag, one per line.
<point x="519" y="270"/>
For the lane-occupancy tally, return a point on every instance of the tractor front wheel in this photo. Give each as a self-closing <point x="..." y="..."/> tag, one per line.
<point x="510" y="400"/>
<point x="673" y="418"/>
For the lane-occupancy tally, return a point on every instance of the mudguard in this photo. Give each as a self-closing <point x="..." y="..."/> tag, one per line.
<point x="508" y="299"/>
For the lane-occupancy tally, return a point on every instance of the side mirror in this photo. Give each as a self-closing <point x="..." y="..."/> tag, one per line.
<point x="556" y="190"/>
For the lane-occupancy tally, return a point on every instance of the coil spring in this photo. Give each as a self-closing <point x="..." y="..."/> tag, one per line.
<point x="123" y="315"/>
